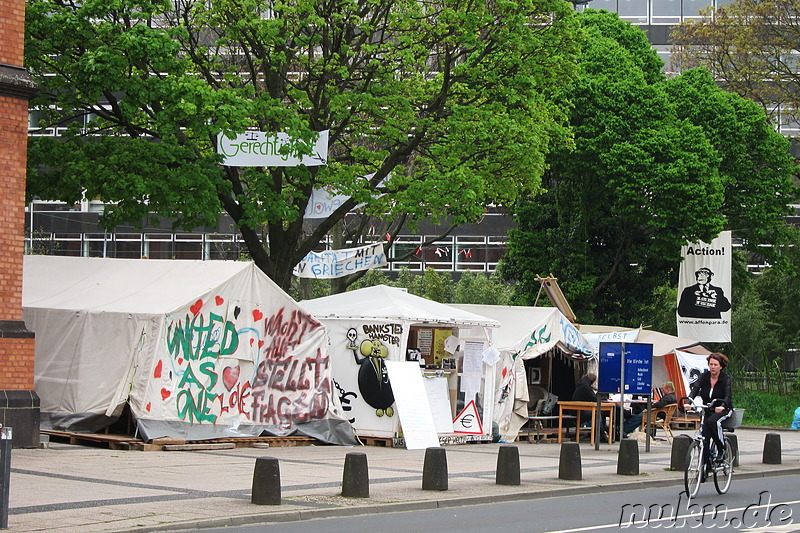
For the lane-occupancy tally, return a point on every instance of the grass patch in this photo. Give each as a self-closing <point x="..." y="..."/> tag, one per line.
<point x="767" y="408"/>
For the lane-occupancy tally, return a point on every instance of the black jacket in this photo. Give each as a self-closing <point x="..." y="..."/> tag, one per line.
<point x="584" y="392"/>
<point x="721" y="391"/>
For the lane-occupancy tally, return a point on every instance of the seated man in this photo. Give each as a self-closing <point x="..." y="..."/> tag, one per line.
<point x="585" y="393"/>
<point x="635" y="420"/>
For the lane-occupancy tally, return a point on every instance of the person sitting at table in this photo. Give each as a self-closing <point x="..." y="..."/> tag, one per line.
<point x="635" y="420"/>
<point x="585" y="393"/>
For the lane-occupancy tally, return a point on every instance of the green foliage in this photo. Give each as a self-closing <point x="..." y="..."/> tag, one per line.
<point x="767" y="409"/>
<point x="431" y="113"/>
<point x="657" y="163"/>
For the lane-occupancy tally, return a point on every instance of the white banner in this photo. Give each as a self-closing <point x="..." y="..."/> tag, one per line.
<point x="338" y="263"/>
<point x="323" y="202"/>
<point x="692" y="365"/>
<point x="260" y="149"/>
<point x="704" y="283"/>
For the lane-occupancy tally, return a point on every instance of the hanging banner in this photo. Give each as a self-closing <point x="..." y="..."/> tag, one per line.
<point x="260" y="149"/>
<point x="704" y="283"/>
<point x="338" y="263"/>
<point x="692" y="365"/>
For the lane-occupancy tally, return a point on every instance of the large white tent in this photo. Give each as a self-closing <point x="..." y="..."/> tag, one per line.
<point x="196" y="349"/>
<point x="527" y="333"/>
<point x="376" y="324"/>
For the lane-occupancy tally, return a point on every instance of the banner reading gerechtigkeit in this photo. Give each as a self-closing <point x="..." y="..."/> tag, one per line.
<point x="704" y="288"/>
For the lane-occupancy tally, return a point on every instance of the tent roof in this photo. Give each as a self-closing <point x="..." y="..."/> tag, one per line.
<point x="121" y="285"/>
<point x="663" y="343"/>
<point x="517" y="323"/>
<point x="391" y="303"/>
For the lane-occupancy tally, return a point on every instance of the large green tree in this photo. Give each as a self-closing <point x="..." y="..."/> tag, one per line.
<point x="656" y="164"/>
<point x="434" y="108"/>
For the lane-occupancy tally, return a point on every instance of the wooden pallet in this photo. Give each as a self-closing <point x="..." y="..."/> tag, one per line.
<point x="386" y="442"/>
<point x="685" y="423"/>
<point x="126" y="442"/>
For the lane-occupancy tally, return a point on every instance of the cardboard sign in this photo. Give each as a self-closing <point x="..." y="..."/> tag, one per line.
<point x="412" y="405"/>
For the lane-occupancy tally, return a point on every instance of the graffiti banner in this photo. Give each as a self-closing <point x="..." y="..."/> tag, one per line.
<point x="338" y="263"/>
<point x="259" y="149"/>
<point x="704" y="288"/>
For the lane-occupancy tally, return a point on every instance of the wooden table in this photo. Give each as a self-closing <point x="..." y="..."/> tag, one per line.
<point x="585" y="406"/>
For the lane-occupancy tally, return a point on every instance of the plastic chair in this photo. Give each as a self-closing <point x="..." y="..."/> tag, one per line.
<point x="660" y="422"/>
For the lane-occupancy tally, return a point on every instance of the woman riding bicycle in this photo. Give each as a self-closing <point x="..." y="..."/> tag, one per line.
<point x="714" y="385"/>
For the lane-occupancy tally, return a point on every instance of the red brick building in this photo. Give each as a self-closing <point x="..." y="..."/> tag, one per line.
<point x="19" y="404"/>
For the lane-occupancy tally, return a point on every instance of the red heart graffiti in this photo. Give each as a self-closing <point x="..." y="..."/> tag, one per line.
<point x="260" y="344"/>
<point x="219" y="300"/>
<point x="164" y="394"/>
<point x="230" y="376"/>
<point x="252" y="341"/>
<point x="196" y="307"/>
<point x="257" y="315"/>
<point x="157" y="372"/>
<point x="148" y="406"/>
<point x="180" y="360"/>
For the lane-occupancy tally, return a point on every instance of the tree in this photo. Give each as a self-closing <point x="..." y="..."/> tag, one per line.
<point x="434" y="109"/>
<point x="654" y="166"/>
<point x="752" y="48"/>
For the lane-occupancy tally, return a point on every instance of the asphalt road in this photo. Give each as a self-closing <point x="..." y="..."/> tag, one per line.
<point x="770" y="504"/>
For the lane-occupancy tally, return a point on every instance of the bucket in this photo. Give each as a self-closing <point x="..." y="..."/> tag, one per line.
<point x="735" y="420"/>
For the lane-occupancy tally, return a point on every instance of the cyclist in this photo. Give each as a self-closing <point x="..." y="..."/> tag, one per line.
<point x="715" y="384"/>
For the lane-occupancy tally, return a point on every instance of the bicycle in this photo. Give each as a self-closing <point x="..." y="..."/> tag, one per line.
<point x="701" y="462"/>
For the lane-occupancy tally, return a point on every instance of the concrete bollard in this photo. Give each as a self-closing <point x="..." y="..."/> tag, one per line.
<point x="355" y="480"/>
<point x="734" y="440"/>
<point x="507" y="465"/>
<point x="628" y="459"/>
<point x="772" y="449"/>
<point x="266" y="482"/>
<point x="569" y="462"/>
<point x="680" y="448"/>
<point x="434" y="472"/>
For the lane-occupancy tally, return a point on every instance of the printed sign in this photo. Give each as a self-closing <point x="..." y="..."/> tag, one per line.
<point x="338" y="263"/>
<point x="260" y="149"/>
<point x="704" y="287"/>
<point x="638" y="368"/>
<point x="468" y="420"/>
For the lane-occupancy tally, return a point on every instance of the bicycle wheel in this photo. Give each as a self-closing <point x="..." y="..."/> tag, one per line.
<point x="692" y="476"/>
<point x="724" y="471"/>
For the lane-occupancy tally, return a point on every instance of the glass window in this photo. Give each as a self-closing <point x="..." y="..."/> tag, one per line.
<point x="666" y="11"/>
<point x="692" y="8"/>
<point x="632" y="10"/>
<point x="608" y="5"/>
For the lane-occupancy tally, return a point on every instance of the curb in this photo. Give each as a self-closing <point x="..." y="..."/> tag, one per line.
<point x="422" y="505"/>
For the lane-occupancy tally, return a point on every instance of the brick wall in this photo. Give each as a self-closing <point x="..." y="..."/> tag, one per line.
<point x="13" y="142"/>
<point x="17" y="364"/>
<point x="12" y="28"/>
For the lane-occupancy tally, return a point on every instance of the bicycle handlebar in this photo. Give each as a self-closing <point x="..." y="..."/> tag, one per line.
<point x="699" y="406"/>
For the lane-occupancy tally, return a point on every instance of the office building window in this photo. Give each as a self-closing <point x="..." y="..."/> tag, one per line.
<point x="634" y="11"/>
<point x="666" y="11"/>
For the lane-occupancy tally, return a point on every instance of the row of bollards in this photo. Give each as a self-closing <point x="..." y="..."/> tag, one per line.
<point x="355" y="479"/>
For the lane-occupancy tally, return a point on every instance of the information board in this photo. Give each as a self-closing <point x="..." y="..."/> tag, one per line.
<point x="638" y="367"/>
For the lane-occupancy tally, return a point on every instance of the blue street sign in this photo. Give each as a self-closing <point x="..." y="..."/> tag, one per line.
<point x="638" y="368"/>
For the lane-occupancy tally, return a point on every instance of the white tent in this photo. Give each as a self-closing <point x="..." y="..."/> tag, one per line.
<point x="376" y="324"/>
<point x="528" y="333"/>
<point x="197" y="349"/>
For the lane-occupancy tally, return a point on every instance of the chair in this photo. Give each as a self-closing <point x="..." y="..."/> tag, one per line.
<point x="657" y="422"/>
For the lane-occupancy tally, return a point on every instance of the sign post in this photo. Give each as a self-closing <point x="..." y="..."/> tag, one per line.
<point x="631" y="374"/>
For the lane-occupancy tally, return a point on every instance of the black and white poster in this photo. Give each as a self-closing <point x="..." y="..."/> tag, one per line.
<point x="704" y="290"/>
